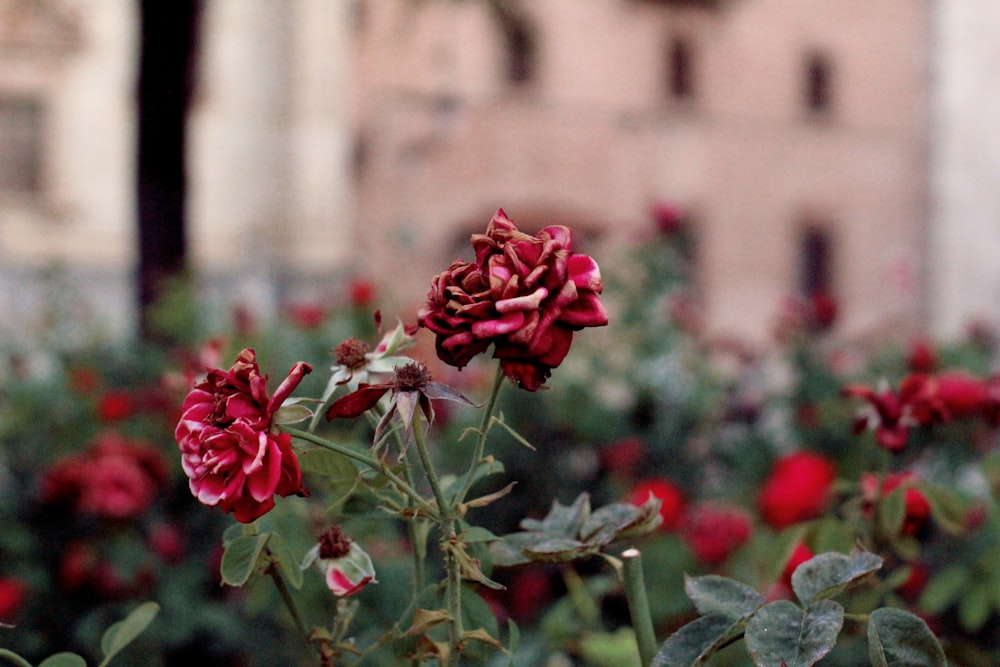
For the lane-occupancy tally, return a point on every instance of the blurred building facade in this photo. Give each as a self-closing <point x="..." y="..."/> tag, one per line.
<point x="369" y="138"/>
<point x="793" y="137"/>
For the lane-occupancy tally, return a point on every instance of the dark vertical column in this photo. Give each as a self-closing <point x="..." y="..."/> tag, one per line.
<point x="166" y="81"/>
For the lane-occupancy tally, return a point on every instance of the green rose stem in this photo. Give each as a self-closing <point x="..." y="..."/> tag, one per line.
<point x="638" y="605"/>
<point x="373" y="463"/>
<point x="484" y="426"/>
<point x="274" y="570"/>
<point x="453" y="580"/>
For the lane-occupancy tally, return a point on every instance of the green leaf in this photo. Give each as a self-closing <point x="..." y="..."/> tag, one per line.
<point x="892" y="512"/>
<point x="13" y="658"/>
<point x="610" y="649"/>
<point x="829" y="574"/>
<point x="292" y="413"/>
<point x="63" y="660"/>
<point x="121" y="634"/>
<point x="621" y="519"/>
<point x="944" y="589"/>
<point x="713" y="594"/>
<point x="897" y="638"/>
<point x="558" y="550"/>
<point x="974" y="608"/>
<point x="694" y="643"/>
<point x="475" y="534"/>
<point x="341" y="474"/>
<point x="286" y="561"/>
<point x="783" y="631"/>
<point x="562" y="521"/>
<point x="947" y="509"/>
<point x="487" y="467"/>
<point x="498" y="421"/>
<point x="240" y="558"/>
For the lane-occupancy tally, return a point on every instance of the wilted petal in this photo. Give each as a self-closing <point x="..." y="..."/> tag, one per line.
<point x="285" y="389"/>
<point x="504" y="324"/>
<point x="357" y="402"/>
<point x="586" y="311"/>
<point x="583" y="270"/>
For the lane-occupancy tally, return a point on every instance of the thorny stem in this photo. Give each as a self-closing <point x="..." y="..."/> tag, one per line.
<point x="374" y="464"/>
<point x="453" y="581"/>
<point x="484" y="426"/>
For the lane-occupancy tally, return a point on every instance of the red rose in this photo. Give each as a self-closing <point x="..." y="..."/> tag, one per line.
<point x="13" y="591"/>
<point x="918" y="509"/>
<point x="915" y="583"/>
<point x="672" y="507"/>
<point x="113" y="478"/>
<point x="524" y="294"/>
<point x="360" y="293"/>
<point x="797" y="489"/>
<point x="800" y="554"/>
<point x="921" y="357"/>
<point x="713" y="533"/>
<point x="115" y="406"/>
<point x="622" y="456"/>
<point x="228" y="450"/>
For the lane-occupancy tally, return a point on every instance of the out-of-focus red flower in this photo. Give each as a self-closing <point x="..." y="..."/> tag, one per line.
<point x="306" y="315"/>
<point x="77" y="565"/>
<point x="885" y="414"/>
<point x="800" y="554"/>
<point x="915" y="583"/>
<point x="921" y="357"/>
<point x="823" y="311"/>
<point x="713" y="532"/>
<point x="622" y="456"/>
<point x="83" y="380"/>
<point x="945" y="396"/>
<point x="115" y="405"/>
<point x="167" y="541"/>
<point x="524" y="294"/>
<point x="360" y="293"/>
<point x="527" y="593"/>
<point x="228" y="450"/>
<point x="918" y="508"/>
<point x="113" y="478"/>
<point x="797" y="489"/>
<point x="13" y="592"/>
<point x="671" y="498"/>
<point x="668" y="216"/>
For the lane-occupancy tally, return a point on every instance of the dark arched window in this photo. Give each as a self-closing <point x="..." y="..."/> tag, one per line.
<point x="680" y="68"/>
<point x="815" y="261"/>
<point x="818" y="83"/>
<point x="519" y="41"/>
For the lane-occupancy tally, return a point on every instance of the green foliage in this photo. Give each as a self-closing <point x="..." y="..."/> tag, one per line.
<point x="800" y="633"/>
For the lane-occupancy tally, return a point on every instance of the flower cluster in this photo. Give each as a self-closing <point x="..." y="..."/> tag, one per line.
<point x="524" y="295"/>
<point x="924" y="399"/>
<point x="228" y="449"/>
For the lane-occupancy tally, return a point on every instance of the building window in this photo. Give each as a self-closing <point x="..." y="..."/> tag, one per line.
<point x="816" y="262"/>
<point x="20" y="145"/>
<point x="680" y="68"/>
<point x="519" y="42"/>
<point x="818" y="83"/>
